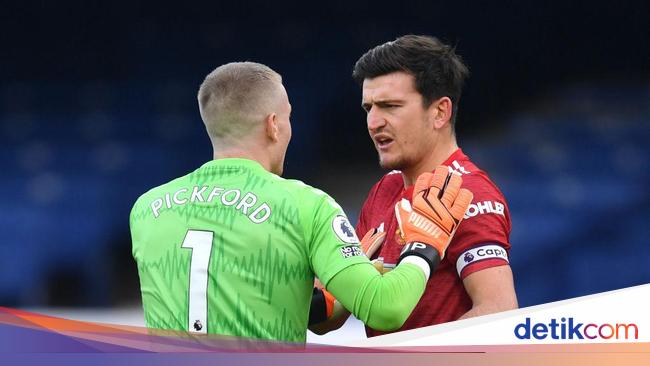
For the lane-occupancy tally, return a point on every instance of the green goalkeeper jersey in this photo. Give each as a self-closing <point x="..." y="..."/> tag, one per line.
<point x="233" y="249"/>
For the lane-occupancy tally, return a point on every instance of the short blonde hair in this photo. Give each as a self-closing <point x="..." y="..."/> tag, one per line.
<point x="235" y="98"/>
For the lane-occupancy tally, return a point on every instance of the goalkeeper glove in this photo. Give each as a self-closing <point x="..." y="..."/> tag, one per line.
<point x="373" y="240"/>
<point x="428" y="224"/>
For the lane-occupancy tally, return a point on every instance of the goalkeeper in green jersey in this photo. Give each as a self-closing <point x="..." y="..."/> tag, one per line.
<point x="232" y="248"/>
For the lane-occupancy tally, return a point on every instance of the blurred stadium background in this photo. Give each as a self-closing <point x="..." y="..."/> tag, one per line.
<point x="97" y="105"/>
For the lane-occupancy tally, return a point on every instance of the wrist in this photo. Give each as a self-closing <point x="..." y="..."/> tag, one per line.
<point x="424" y="252"/>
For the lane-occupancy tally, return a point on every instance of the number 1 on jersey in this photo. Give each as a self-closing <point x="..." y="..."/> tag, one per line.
<point x="200" y="242"/>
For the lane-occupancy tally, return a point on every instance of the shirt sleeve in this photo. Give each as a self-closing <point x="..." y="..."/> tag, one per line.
<point x="333" y="243"/>
<point x="482" y="239"/>
<point x="382" y="302"/>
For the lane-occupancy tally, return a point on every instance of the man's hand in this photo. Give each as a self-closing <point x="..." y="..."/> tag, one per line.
<point x="430" y="221"/>
<point x="372" y="241"/>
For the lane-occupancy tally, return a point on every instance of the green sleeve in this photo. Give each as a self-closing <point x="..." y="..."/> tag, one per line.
<point x="382" y="302"/>
<point x="333" y="244"/>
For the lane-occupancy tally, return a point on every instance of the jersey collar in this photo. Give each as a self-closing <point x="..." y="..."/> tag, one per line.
<point x="234" y="162"/>
<point x="407" y="192"/>
<point x="456" y="155"/>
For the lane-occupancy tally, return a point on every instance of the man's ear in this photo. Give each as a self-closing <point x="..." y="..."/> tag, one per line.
<point x="440" y="112"/>
<point x="271" y="126"/>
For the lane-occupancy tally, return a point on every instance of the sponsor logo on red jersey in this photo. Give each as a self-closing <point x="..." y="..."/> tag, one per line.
<point x="485" y="207"/>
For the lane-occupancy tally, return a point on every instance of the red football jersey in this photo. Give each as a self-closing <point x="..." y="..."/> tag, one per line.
<point x="481" y="241"/>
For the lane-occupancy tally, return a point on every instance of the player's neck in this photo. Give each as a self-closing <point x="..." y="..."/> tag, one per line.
<point x="436" y="157"/>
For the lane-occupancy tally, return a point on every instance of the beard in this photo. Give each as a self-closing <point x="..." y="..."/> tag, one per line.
<point x="398" y="163"/>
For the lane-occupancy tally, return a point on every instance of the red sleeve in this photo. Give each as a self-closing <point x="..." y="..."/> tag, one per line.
<point x="482" y="239"/>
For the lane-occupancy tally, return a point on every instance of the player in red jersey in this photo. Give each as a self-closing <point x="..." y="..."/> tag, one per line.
<point x="411" y="89"/>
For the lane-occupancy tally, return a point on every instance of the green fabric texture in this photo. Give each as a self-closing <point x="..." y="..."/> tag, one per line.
<point x="233" y="249"/>
<point x="383" y="302"/>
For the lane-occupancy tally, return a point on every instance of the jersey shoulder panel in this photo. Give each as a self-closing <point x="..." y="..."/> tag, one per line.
<point x="307" y="192"/>
<point x="142" y="204"/>
<point x="480" y="184"/>
<point x="387" y="187"/>
<point x="381" y="195"/>
<point x="482" y="239"/>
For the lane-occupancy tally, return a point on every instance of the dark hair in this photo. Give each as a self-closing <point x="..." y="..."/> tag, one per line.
<point x="437" y="69"/>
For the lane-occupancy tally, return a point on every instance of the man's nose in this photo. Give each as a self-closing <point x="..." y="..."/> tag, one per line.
<point x="375" y="119"/>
